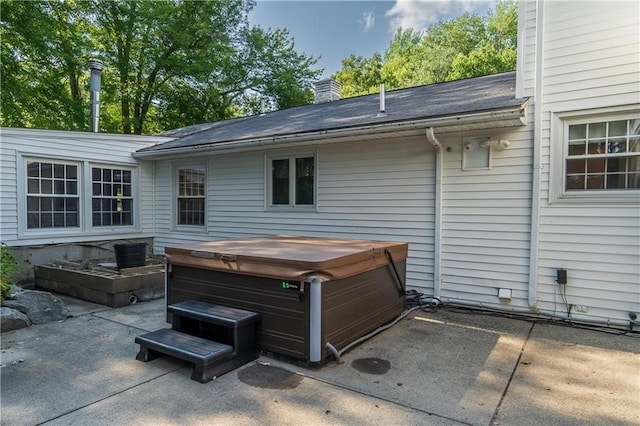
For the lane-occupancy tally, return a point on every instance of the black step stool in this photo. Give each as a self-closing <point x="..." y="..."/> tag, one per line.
<point x="215" y="338"/>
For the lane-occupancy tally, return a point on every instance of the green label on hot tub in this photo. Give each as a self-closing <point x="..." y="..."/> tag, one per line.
<point x="289" y="286"/>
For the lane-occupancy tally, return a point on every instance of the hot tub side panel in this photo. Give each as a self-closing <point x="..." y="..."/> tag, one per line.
<point x="357" y="305"/>
<point x="283" y="327"/>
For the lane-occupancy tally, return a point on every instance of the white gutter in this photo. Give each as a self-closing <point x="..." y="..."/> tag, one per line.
<point x="437" y="274"/>
<point x="537" y="153"/>
<point x="509" y="113"/>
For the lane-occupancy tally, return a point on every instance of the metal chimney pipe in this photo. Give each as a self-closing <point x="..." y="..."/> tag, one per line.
<point x="95" y="65"/>
<point x="382" y="99"/>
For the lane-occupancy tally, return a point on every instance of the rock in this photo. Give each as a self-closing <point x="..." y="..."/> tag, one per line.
<point x="41" y="307"/>
<point x="11" y="319"/>
<point x="13" y="290"/>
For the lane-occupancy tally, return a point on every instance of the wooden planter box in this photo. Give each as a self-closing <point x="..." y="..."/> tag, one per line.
<point x="104" y="287"/>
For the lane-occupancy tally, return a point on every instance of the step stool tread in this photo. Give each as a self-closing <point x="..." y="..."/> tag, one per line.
<point x="184" y="346"/>
<point x="214" y="314"/>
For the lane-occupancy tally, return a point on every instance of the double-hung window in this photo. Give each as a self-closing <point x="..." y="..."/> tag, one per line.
<point x="190" y="203"/>
<point x="602" y="155"/>
<point x="291" y="181"/>
<point x="112" y="199"/>
<point x="53" y="198"/>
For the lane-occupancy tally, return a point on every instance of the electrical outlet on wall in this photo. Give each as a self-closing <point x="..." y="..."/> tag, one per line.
<point x="581" y="308"/>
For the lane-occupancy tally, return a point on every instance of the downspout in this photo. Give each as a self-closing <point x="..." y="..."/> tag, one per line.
<point x="537" y="152"/>
<point x="437" y="238"/>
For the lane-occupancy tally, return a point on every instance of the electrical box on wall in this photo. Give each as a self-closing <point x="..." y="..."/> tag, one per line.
<point x="476" y="153"/>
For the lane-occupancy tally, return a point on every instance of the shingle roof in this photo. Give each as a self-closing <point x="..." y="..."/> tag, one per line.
<point x="421" y="102"/>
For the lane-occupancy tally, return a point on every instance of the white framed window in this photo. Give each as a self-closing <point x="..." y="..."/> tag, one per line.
<point x="111" y="196"/>
<point x="66" y="197"/>
<point x="596" y="156"/>
<point x="291" y="181"/>
<point x="190" y="203"/>
<point x="603" y="155"/>
<point x="53" y="194"/>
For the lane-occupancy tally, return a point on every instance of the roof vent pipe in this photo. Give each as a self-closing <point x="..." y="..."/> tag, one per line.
<point x="95" y="65"/>
<point x="382" y="99"/>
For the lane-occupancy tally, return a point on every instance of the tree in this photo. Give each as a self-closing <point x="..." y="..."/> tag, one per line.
<point x="43" y="57"/>
<point x="360" y="75"/>
<point x="467" y="46"/>
<point x="167" y="63"/>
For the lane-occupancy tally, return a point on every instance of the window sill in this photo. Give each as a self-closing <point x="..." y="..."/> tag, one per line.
<point x="598" y="197"/>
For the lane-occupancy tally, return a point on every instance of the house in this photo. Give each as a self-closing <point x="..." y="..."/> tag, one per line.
<point x="504" y="186"/>
<point x="71" y="195"/>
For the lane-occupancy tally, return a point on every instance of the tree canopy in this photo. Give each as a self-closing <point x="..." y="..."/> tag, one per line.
<point x="468" y="46"/>
<point x="168" y="64"/>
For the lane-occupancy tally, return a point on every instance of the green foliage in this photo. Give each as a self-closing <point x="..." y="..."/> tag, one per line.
<point x="468" y="46"/>
<point x="168" y="63"/>
<point x="7" y="266"/>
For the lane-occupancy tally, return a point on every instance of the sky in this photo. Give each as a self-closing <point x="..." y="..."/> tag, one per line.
<point x="333" y="30"/>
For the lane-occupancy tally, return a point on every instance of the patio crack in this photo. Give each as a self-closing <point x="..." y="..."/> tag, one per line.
<point x="513" y="373"/>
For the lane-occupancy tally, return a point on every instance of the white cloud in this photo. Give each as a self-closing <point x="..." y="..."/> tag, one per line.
<point x="368" y="20"/>
<point x="419" y="14"/>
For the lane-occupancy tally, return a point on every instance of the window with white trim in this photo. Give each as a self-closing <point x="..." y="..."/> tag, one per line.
<point x="112" y="198"/>
<point x="602" y="155"/>
<point x="53" y="199"/>
<point x="291" y="181"/>
<point x="190" y="203"/>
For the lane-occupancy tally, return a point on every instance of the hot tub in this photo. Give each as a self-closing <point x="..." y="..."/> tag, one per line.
<point x="308" y="291"/>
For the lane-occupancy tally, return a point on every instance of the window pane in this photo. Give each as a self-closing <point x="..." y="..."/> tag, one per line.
<point x="575" y="182"/>
<point x="96" y="189"/>
<point x="595" y="182"/>
<point x="46" y="186"/>
<point x="46" y="204"/>
<point x="96" y="174"/>
<point x="33" y="186"/>
<point x="58" y="220"/>
<point x="597" y="147"/>
<point x="618" y="128"/>
<point x="577" y="148"/>
<point x="72" y="172"/>
<point x="106" y="175"/>
<point x="106" y="189"/>
<point x="46" y="169"/>
<point x="33" y="220"/>
<point x="58" y="171"/>
<point x="576" y="166"/>
<point x="595" y="165"/>
<point x="126" y="190"/>
<point x="617" y="146"/>
<point x="578" y="131"/>
<point x="126" y="176"/>
<point x="71" y="204"/>
<point x="58" y="204"/>
<point x="33" y="169"/>
<point x="615" y="181"/>
<point x="616" y="164"/>
<point x="72" y="219"/>
<point x="634" y="144"/>
<point x="280" y="182"/>
<point x="58" y="187"/>
<point x="633" y="181"/>
<point x="597" y="130"/>
<point x="304" y="180"/>
<point x="72" y="188"/>
<point x="634" y="127"/>
<point x="33" y="204"/>
<point x="46" y="220"/>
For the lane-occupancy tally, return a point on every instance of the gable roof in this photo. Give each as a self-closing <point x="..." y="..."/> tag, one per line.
<point x="430" y="102"/>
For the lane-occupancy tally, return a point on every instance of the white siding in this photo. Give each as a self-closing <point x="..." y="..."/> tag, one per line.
<point x="526" y="66"/>
<point x="486" y="227"/>
<point x="592" y="60"/>
<point x="380" y="189"/>
<point x="74" y="146"/>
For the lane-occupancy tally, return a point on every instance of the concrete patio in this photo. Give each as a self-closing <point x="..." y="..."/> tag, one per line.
<point x="441" y="368"/>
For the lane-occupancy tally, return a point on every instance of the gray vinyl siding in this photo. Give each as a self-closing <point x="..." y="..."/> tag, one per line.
<point x="591" y="61"/>
<point x="377" y="189"/>
<point x="486" y="222"/>
<point x="107" y="149"/>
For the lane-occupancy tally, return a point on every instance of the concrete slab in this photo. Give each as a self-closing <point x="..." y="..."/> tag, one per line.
<point x="570" y="376"/>
<point x="451" y="365"/>
<point x="174" y="399"/>
<point x="79" y="307"/>
<point x="441" y="368"/>
<point x="147" y="316"/>
<point x="54" y="368"/>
